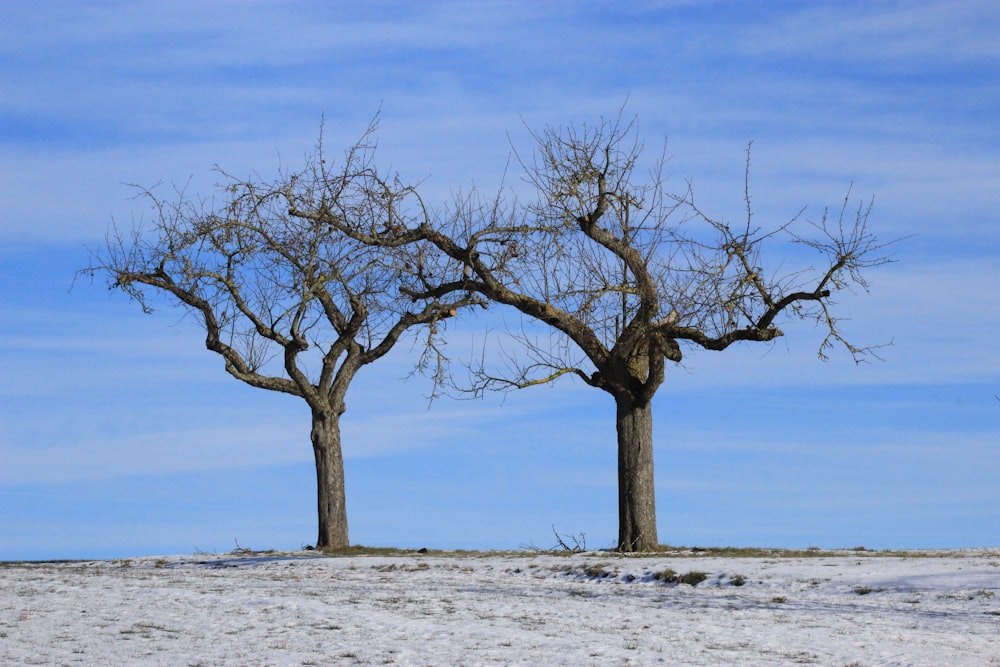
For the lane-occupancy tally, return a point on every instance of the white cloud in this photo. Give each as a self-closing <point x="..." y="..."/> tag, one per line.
<point x="940" y="32"/>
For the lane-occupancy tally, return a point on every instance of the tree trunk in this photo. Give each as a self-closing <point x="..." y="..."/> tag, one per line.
<point x="636" y="495"/>
<point x="331" y="498"/>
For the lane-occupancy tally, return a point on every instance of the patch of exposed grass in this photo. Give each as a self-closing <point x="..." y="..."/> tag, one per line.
<point x="590" y="571"/>
<point x="753" y="552"/>
<point x="809" y="552"/>
<point x="404" y="567"/>
<point x="666" y="576"/>
<point x="669" y="576"/>
<point x="692" y="578"/>
<point x="361" y="550"/>
<point x="598" y="571"/>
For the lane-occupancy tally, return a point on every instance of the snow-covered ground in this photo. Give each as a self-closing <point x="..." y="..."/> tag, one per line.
<point x="848" y="608"/>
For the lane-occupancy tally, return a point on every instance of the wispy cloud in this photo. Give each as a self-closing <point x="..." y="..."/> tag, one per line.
<point x="885" y="36"/>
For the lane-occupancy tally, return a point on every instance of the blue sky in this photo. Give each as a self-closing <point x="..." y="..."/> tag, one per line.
<point x="120" y="435"/>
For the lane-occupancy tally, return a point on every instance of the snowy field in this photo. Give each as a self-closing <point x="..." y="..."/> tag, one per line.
<point x="852" y="608"/>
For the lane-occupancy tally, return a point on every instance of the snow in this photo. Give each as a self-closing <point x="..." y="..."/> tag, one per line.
<point x="850" y="608"/>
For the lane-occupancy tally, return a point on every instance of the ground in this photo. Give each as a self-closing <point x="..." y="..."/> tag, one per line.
<point x="850" y="608"/>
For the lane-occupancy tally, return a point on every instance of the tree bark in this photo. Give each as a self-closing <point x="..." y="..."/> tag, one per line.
<point x="331" y="497"/>
<point x="636" y="494"/>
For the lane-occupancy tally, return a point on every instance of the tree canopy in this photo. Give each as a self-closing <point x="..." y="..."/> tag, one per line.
<point x="628" y="275"/>
<point x="292" y="304"/>
<point x="301" y="281"/>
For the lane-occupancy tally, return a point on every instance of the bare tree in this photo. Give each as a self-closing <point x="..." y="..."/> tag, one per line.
<point x="292" y="304"/>
<point x="627" y="276"/>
